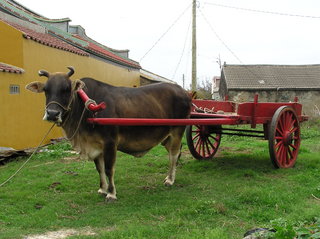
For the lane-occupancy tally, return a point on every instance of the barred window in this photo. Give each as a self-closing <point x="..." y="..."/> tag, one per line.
<point x="14" y="89"/>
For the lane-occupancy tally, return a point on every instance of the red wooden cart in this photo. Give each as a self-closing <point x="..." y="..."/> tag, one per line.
<point x="281" y="125"/>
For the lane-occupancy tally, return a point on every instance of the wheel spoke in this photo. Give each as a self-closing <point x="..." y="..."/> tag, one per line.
<point x="280" y="127"/>
<point x="206" y="148"/>
<point x="195" y="129"/>
<point x="292" y="126"/>
<point x="196" y="136"/>
<point x="293" y="146"/>
<point x="279" y="131"/>
<point x="203" y="149"/>
<point x="287" y="158"/>
<point x="288" y="120"/>
<point x="279" y="153"/>
<point x="283" y="157"/>
<point x="284" y="137"/>
<point x="202" y="141"/>
<point x="293" y="129"/>
<point x="279" y="143"/>
<point x="212" y="146"/>
<point x="198" y="149"/>
<point x="196" y="145"/>
<point x="214" y="138"/>
<point x="277" y="149"/>
<point x="290" y="153"/>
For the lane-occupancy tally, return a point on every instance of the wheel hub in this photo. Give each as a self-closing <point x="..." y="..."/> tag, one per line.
<point x="204" y="132"/>
<point x="288" y="138"/>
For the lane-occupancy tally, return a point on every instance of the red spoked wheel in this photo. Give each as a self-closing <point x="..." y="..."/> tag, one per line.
<point x="284" y="137"/>
<point x="203" y="140"/>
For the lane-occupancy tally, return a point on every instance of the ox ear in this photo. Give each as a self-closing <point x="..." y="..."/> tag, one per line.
<point x="35" y="86"/>
<point x="77" y="85"/>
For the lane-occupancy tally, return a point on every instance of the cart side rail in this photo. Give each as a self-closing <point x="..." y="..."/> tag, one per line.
<point x="263" y="112"/>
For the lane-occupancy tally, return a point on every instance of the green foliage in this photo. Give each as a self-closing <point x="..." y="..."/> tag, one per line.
<point x="282" y="229"/>
<point x="220" y="198"/>
<point x="309" y="230"/>
<point x="204" y="89"/>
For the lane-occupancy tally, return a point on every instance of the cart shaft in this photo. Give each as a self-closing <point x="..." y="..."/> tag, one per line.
<point x="156" y="122"/>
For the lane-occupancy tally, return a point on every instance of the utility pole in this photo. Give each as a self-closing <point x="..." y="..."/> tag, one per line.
<point x="183" y="81"/>
<point x="194" y="47"/>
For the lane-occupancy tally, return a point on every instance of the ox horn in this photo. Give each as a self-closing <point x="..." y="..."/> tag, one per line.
<point x="71" y="71"/>
<point x="43" y="73"/>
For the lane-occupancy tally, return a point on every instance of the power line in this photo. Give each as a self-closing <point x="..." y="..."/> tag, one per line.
<point x="182" y="53"/>
<point x="228" y="48"/>
<point x="262" y="11"/>
<point x="219" y="38"/>
<point x="178" y="18"/>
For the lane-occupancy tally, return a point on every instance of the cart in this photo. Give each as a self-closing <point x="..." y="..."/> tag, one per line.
<point x="281" y="125"/>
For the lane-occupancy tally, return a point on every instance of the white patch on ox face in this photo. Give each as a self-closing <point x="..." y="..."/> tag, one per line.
<point x="58" y="121"/>
<point x="45" y="117"/>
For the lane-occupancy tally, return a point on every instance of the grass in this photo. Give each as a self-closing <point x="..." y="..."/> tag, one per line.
<point x="221" y="198"/>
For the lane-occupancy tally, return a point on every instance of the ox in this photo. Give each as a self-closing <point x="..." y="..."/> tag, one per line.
<point x="101" y="142"/>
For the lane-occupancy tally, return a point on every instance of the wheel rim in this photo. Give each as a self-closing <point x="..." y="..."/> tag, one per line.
<point x="285" y="138"/>
<point x="203" y="141"/>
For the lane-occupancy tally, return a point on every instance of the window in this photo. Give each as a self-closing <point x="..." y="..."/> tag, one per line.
<point x="14" y="89"/>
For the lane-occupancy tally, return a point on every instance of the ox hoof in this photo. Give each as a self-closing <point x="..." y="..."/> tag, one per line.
<point x="102" y="191"/>
<point x="111" y="198"/>
<point x="168" y="182"/>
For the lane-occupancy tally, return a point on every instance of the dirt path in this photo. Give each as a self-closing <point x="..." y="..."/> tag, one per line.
<point x="64" y="233"/>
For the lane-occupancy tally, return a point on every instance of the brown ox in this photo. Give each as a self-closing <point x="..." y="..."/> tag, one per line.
<point x="100" y="142"/>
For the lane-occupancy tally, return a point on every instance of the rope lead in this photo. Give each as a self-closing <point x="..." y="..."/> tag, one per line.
<point x="22" y="166"/>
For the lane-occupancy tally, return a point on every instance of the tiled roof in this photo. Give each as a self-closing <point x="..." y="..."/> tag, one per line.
<point x="95" y="48"/>
<point x="9" y="68"/>
<point x="271" y="76"/>
<point x="105" y="52"/>
<point x="48" y="40"/>
<point x="62" y="39"/>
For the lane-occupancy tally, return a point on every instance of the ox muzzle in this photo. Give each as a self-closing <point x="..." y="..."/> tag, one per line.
<point x="54" y="112"/>
<point x="53" y="116"/>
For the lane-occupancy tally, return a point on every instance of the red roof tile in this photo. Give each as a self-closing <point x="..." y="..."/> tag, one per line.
<point x="108" y="54"/>
<point x="48" y="40"/>
<point x="59" y="39"/>
<point x="9" y="68"/>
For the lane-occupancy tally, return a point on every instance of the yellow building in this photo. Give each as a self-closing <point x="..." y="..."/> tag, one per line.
<point x="30" y="42"/>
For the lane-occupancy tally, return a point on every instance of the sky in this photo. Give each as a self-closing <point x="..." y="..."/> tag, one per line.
<point x="158" y="32"/>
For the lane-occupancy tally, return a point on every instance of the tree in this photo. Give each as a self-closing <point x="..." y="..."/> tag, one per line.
<point x="204" y="89"/>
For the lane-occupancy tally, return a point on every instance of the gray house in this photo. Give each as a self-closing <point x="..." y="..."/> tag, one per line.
<point x="273" y="83"/>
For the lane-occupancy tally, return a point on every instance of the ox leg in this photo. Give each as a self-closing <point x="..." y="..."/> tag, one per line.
<point x="173" y="146"/>
<point x="110" y="152"/>
<point x="99" y="162"/>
